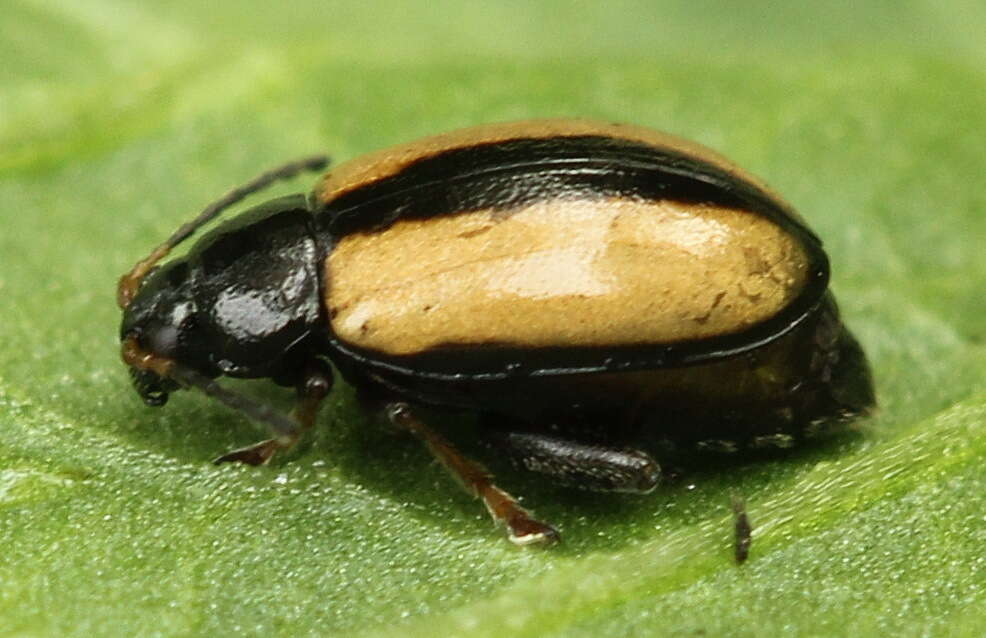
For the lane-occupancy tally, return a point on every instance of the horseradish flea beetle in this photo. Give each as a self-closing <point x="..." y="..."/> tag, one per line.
<point x="572" y="283"/>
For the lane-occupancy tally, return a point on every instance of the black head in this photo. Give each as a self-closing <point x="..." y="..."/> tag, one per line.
<point x="161" y="320"/>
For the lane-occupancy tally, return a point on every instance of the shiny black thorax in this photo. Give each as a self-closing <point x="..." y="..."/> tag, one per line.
<point x="244" y="302"/>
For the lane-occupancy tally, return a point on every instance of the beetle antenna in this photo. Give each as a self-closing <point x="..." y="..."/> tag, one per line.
<point x="130" y="282"/>
<point x="281" y="425"/>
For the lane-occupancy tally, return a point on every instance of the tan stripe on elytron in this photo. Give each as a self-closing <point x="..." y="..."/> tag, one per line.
<point x="384" y="163"/>
<point x="562" y="273"/>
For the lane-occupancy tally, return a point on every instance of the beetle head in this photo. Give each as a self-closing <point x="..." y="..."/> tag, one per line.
<point x="160" y="328"/>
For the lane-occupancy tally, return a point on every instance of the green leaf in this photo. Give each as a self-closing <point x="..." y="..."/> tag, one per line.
<point x="118" y="122"/>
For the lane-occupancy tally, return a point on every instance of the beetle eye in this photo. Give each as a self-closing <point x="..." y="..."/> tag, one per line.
<point x="163" y="341"/>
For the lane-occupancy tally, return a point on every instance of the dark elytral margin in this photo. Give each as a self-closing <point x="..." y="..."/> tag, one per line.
<point x="502" y="175"/>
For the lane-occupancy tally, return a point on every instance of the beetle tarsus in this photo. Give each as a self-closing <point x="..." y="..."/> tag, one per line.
<point x="522" y="528"/>
<point x="257" y="454"/>
<point x="532" y="532"/>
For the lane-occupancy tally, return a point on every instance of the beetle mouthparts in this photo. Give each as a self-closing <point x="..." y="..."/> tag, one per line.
<point x="153" y="389"/>
<point x="150" y="373"/>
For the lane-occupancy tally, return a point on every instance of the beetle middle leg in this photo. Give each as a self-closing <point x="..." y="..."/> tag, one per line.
<point x="312" y="390"/>
<point x="521" y="527"/>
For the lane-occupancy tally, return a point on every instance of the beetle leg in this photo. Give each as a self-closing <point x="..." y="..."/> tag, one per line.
<point x="312" y="390"/>
<point x="521" y="527"/>
<point x="582" y="465"/>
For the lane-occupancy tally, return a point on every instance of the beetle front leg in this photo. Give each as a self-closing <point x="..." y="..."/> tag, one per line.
<point x="585" y="466"/>
<point x="522" y="528"/>
<point x="312" y="390"/>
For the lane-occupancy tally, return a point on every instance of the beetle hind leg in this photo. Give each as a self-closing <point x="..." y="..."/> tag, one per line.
<point x="522" y="528"/>
<point x="594" y="467"/>
<point x="312" y="390"/>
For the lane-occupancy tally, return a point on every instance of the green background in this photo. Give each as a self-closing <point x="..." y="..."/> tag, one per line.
<point x="118" y="122"/>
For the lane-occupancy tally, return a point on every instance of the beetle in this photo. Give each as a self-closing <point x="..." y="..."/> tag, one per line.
<point x="572" y="283"/>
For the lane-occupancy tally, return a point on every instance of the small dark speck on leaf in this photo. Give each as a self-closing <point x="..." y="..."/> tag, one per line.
<point x="742" y="530"/>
